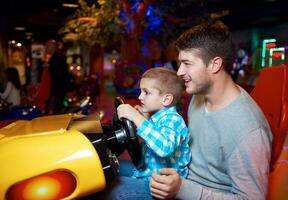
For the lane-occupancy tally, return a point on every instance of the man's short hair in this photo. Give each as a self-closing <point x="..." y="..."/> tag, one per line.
<point x="212" y="39"/>
<point x="168" y="82"/>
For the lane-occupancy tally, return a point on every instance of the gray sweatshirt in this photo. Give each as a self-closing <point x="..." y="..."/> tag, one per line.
<point x="231" y="151"/>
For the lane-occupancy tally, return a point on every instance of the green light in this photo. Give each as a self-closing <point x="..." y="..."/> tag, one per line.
<point x="66" y="103"/>
<point x="264" y="43"/>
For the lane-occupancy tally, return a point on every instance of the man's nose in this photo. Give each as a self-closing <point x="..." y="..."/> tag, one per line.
<point x="180" y="70"/>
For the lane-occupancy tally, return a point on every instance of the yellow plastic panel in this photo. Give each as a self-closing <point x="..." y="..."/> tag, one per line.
<point x="28" y="156"/>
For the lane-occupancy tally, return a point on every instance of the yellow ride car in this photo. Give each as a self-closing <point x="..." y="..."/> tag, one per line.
<point x="61" y="157"/>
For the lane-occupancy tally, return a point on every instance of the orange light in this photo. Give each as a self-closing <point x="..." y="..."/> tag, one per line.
<point x="113" y="61"/>
<point x="52" y="185"/>
<point x="87" y="19"/>
<point x="71" y="67"/>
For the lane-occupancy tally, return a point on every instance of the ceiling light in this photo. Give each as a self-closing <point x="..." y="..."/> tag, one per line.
<point x="28" y="33"/>
<point x="19" y="28"/>
<point x="70" y="5"/>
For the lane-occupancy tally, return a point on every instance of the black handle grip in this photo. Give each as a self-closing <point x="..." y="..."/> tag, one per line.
<point x="127" y="123"/>
<point x="118" y="102"/>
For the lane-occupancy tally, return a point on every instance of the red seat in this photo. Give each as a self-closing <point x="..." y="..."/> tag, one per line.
<point x="271" y="94"/>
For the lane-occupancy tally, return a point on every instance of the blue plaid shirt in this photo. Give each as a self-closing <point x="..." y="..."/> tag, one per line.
<point x="165" y="143"/>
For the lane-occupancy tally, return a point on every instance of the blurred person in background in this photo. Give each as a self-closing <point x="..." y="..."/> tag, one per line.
<point x="12" y="90"/>
<point x="59" y="76"/>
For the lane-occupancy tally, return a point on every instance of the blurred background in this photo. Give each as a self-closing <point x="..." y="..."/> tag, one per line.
<point x="76" y="56"/>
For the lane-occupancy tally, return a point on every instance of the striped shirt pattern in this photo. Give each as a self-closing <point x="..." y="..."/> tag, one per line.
<point x="165" y="143"/>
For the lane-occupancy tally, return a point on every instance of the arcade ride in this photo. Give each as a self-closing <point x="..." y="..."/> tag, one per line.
<point x="73" y="156"/>
<point x="63" y="156"/>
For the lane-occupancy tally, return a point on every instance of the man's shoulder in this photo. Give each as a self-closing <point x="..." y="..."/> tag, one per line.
<point x="248" y="112"/>
<point x="244" y="118"/>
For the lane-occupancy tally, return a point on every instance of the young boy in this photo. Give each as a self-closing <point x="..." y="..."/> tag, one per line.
<point x="165" y="136"/>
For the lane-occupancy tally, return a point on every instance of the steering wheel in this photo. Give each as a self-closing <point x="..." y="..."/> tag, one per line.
<point x="127" y="134"/>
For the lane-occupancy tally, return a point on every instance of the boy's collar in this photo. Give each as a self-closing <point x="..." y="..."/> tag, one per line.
<point x="162" y="112"/>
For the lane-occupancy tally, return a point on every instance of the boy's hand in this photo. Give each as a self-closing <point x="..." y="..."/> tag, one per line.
<point x="140" y="110"/>
<point x="130" y="113"/>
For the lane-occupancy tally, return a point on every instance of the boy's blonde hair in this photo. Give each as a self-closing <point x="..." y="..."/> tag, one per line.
<point x="168" y="82"/>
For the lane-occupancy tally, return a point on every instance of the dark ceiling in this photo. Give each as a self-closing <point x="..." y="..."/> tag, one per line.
<point x="44" y="18"/>
<point x="252" y="13"/>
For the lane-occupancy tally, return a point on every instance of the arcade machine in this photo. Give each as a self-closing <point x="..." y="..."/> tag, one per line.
<point x="63" y="156"/>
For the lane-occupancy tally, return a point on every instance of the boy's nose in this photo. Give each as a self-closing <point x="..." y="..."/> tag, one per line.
<point x="140" y="97"/>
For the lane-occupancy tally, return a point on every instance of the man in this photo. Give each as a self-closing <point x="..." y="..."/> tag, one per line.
<point x="231" y="144"/>
<point x="231" y="140"/>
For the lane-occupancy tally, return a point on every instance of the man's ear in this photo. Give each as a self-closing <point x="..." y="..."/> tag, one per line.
<point x="167" y="99"/>
<point x="216" y="64"/>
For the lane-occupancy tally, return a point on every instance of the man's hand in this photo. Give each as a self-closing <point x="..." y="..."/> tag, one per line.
<point x="166" y="185"/>
<point x="130" y="113"/>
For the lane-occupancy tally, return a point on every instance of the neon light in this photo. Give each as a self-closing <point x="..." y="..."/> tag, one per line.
<point x="264" y="46"/>
<point x="270" y="45"/>
<point x="276" y="52"/>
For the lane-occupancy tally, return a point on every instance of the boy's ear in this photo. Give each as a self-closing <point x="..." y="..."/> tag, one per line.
<point x="167" y="99"/>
